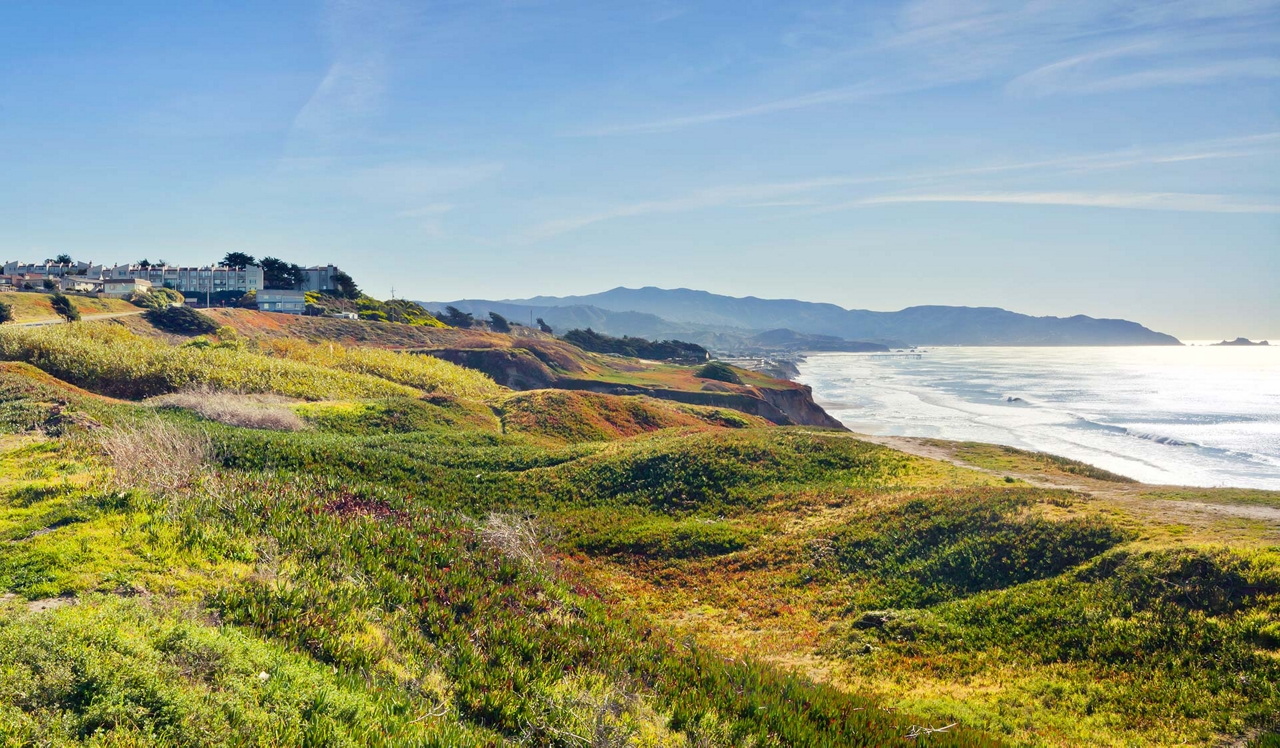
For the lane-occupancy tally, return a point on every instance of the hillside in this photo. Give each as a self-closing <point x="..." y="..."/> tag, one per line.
<point x="287" y="540"/>
<point x="527" y="359"/>
<point x="35" y="307"/>
<point x="921" y="325"/>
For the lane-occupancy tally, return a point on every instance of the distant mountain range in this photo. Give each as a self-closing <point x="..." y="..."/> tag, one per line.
<point x="733" y="323"/>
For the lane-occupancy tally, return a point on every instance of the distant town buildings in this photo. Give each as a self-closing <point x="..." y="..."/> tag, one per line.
<point x="194" y="281"/>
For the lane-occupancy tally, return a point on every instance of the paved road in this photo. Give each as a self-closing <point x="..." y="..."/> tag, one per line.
<point x="85" y="318"/>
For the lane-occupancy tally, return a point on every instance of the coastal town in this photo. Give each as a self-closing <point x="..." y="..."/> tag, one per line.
<point x="272" y="285"/>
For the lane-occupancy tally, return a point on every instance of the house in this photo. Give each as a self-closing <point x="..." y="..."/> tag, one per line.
<point x="281" y="300"/>
<point x="123" y="287"/>
<point x="79" y="284"/>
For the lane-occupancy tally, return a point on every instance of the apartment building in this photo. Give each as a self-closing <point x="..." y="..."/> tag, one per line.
<point x="193" y="280"/>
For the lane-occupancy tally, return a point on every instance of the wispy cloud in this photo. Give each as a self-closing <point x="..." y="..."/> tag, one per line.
<point x="708" y="198"/>
<point x="801" y="192"/>
<point x="1173" y="201"/>
<point x="815" y="98"/>
<point x="1101" y="71"/>
<point x="359" y="35"/>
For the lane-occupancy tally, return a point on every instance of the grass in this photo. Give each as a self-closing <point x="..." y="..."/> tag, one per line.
<point x="479" y="567"/>
<point x="115" y="362"/>
<point x="587" y="416"/>
<point x="424" y="373"/>
<point x="31" y="307"/>
<point x="1000" y="458"/>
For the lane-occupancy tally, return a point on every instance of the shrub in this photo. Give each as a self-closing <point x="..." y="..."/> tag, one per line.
<point x="666" y="350"/>
<point x="64" y="308"/>
<point x="718" y="371"/>
<point x="6" y="313"/>
<point x="498" y="323"/>
<point x="157" y="455"/>
<point x="515" y="536"/>
<point x="181" y="320"/>
<point x="156" y="298"/>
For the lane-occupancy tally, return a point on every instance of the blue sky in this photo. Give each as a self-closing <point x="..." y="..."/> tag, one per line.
<point x="1107" y="157"/>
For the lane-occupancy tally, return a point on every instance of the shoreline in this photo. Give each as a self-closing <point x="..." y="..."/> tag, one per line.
<point x="1187" y="417"/>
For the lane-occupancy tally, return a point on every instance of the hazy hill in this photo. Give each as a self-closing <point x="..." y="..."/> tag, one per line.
<point x="565" y="317"/>
<point x="921" y="325"/>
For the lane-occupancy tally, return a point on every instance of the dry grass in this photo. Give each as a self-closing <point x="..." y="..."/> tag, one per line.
<point x="158" y="455"/>
<point x="516" y="536"/>
<point x="234" y="409"/>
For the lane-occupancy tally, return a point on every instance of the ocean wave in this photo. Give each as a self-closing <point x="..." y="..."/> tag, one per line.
<point x="1167" y="441"/>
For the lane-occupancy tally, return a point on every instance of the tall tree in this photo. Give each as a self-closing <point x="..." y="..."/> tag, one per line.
<point x="347" y="287"/>
<point x="543" y="326"/>
<point x="455" y="317"/>
<point x="277" y="273"/>
<point x="238" y="260"/>
<point x="498" y="323"/>
<point x="63" y="259"/>
<point x="144" y="263"/>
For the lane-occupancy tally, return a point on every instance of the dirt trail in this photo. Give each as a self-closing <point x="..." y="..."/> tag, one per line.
<point x="1132" y="496"/>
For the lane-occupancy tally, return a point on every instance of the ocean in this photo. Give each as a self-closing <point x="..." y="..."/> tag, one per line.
<point x="1194" y="415"/>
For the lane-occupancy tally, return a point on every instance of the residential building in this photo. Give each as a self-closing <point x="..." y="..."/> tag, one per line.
<point x="319" y="278"/>
<point x="193" y="280"/>
<point x="123" y="287"/>
<point x="80" y="284"/>
<point x="49" y="269"/>
<point x="279" y="300"/>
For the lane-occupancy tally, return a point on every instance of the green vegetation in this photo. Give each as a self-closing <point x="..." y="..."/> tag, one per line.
<point x="665" y="350"/>
<point x="156" y="298"/>
<point x="180" y="320"/>
<point x="417" y="556"/>
<point x="587" y="416"/>
<point x="6" y="313"/>
<point x="1001" y="458"/>
<point x="718" y="371"/>
<point x="63" y="307"/>
<point x="396" y="310"/>
<point x="118" y="363"/>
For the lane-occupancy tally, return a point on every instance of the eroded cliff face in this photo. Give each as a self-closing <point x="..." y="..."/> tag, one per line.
<point x="521" y="369"/>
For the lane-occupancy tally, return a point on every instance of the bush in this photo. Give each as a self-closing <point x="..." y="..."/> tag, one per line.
<point x="156" y="298"/>
<point x="158" y="455"/>
<point x="6" y="313"/>
<point x="666" y="350"/>
<point x="64" y="308"/>
<point x="719" y="372"/>
<point x="181" y="320"/>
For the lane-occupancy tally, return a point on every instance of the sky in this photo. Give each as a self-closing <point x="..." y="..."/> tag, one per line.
<point x="1116" y="158"/>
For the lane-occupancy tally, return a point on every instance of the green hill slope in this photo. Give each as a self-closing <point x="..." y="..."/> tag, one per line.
<point x="431" y="559"/>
